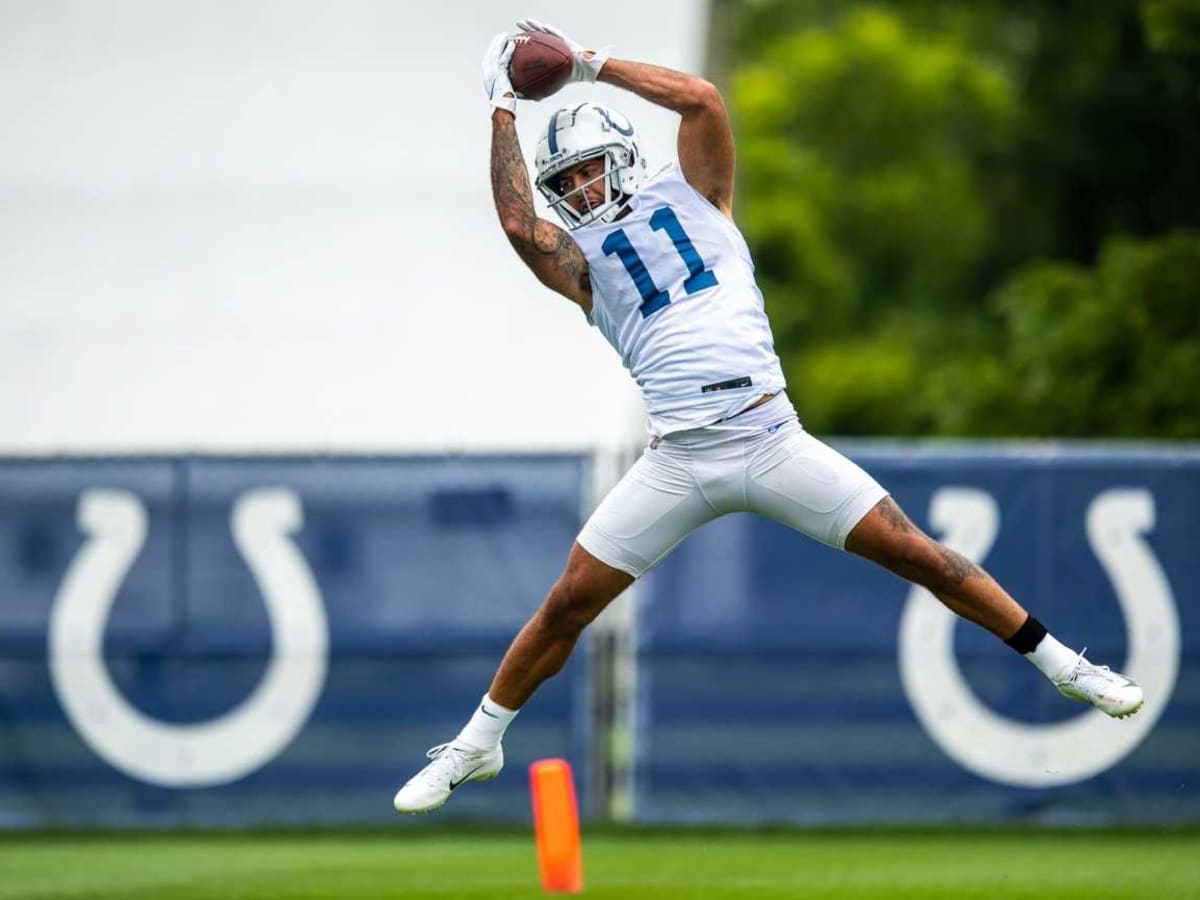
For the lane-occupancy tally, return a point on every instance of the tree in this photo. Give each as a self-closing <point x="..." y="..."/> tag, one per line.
<point x="1113" y="350"/>
<point x="900" y="163"/>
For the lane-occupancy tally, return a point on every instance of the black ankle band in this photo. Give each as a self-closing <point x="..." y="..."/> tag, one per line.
<point x="1028" y="636"/>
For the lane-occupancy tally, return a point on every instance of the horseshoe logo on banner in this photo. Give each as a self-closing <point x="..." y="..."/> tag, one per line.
<point x="1019" y="753"/>
<point x="230" y="746"/>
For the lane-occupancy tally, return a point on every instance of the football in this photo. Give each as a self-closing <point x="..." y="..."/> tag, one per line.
<point x="540" y="65"/>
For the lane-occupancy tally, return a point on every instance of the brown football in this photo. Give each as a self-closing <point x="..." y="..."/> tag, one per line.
<point x="540" y="65"/>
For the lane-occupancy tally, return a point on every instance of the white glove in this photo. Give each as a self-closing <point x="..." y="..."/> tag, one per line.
<point x="496" y="83"/>
<point x="585" y="64"/>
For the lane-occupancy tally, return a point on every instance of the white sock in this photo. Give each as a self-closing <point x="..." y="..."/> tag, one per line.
<point x="487" y="726"/>
<point x="1053" y="659"/>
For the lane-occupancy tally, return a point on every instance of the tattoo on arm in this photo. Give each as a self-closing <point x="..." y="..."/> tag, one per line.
<point x="556" y="246"/>
<point x="545" y="248"/>
<point x="510" y="181"/>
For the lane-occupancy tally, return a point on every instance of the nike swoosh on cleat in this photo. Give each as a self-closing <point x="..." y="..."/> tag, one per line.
<point x="455" y="784"/>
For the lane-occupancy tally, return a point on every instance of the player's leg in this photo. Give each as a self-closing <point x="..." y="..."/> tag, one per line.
<point x="885" y="535"/>
<point x="542" y="646"/>
<point x="651" y="510"/>
<point x="540" y="650"/>
<point x="888" y="537"/>
<point x="799" y="481"/>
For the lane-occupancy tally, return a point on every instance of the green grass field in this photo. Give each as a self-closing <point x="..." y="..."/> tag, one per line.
<point x="413" y="864"/>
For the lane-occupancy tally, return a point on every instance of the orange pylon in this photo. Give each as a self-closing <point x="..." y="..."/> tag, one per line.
<point x="556" y="826"/>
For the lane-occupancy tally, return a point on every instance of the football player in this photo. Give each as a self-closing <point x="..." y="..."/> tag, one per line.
<point x="658" y="265"/>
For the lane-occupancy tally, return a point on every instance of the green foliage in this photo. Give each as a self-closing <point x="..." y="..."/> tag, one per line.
<point x="857" y="145"/>
<point x="1173" y="26"/>
<point x="901" y="162"/>
<point x="1109" y="350"/>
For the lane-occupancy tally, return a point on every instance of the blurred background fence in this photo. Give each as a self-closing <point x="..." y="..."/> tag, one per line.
<point x="219" y="641"/>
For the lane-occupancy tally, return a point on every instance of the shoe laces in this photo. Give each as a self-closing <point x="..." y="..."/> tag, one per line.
<point x="450" y="756"/>
<point x="1083" y="668"/>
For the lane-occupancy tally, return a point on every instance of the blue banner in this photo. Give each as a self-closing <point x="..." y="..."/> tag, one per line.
<point x="240" y="641"/>
<point x="783" y="681"/>
<point x="236" y="641"/>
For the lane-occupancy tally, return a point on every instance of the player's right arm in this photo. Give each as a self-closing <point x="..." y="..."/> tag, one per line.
<point x="549" y="251"/>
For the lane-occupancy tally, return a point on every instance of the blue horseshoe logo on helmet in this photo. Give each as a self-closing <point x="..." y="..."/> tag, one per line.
<point x="628" y="132"/>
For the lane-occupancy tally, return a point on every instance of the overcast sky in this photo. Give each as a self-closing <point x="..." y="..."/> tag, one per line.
<point x="266" y="225"/>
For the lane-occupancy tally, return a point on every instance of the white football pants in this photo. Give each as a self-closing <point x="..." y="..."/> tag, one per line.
<point x="761" y="461"/>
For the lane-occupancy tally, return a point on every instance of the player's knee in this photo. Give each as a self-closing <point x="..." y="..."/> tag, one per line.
<point x="568" y="609"/>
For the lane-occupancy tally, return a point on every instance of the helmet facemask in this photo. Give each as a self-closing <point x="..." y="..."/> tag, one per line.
<point x="576" y="136"/>
<point x="616" y="159"/>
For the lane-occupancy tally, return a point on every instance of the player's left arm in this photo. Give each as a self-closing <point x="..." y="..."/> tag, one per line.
<point x="705" y="138"/>
<point x="706" y="152"/>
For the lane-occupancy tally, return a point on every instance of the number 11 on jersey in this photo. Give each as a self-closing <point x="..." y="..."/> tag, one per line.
<point x="654" y="299"/>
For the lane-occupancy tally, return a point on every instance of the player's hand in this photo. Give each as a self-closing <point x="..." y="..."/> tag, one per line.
<point x="496" y="83"/>
<point x="585" y="64"/>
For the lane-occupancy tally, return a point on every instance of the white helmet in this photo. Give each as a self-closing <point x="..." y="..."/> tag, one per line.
<point x="589" y="131"/>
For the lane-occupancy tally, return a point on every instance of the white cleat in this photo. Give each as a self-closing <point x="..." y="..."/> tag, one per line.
<point x="1108" y="691"/>
<point x="453" y="765"/>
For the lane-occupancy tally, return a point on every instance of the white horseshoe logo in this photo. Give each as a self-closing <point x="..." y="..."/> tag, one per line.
<point x="1042" y="755"/>
<point x="223" y="749"/>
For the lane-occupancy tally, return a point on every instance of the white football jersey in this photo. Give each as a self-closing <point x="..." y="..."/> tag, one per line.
<point x="673" y="291"/>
